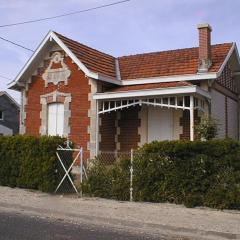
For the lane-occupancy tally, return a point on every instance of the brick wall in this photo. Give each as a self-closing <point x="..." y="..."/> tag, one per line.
<point x="108" y="132"/>
<point x="204" y="43"/>
<point x="185" y="123"/>
<point x="128" y="124"/>
<point x="79" y="88"/>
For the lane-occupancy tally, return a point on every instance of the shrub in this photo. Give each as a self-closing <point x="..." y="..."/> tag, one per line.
<point x="108" y="181"/>
<point x="29" y="162"/>
<point x="192" y="173"/>
<point x="207" y="128"/>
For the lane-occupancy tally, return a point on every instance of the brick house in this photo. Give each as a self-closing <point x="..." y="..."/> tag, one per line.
<point x="106" y="103"/>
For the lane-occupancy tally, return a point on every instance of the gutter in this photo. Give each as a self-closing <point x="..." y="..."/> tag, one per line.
<point x="152" y="92"/>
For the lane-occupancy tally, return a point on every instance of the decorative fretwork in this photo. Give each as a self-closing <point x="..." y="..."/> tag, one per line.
<point x="179" y="102"/>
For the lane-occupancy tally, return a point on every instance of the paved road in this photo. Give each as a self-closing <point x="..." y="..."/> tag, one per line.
<point x="15" y="226"/>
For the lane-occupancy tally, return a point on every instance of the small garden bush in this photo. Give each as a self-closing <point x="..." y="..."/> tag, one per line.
<point x="108" y="181"/>
<point x="207" y="128"/>
<point x="191" y="173"/>
<point x="29" y="162"/>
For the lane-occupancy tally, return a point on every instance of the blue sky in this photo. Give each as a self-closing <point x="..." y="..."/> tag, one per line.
<point x="133" y="27"/>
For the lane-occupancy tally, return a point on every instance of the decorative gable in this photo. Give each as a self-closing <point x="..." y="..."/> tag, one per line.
<point x="57" y="71"/>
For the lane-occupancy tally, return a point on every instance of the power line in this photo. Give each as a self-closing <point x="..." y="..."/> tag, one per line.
<point x="58" y="16"/>
<point x="1" y="76"/>
<point x="16" y="44"/>
<point x="64" y="15"/>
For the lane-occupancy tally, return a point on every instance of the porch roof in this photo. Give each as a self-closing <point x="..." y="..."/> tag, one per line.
<point x="158" y="89"/>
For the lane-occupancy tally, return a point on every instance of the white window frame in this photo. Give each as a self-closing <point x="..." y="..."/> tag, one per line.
<point x="58" y="125"/>
<point x="43" y="114"/>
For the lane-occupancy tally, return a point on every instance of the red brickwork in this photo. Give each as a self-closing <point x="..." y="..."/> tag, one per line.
<point x="204" y="43"/>
<point x="185" y="123"/>
<point x="108" y="132"/>
<point x="79" y="89"/>
<point x="129" y="123"/>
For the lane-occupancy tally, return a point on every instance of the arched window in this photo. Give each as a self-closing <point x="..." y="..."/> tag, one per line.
<point x="55" y="124"/>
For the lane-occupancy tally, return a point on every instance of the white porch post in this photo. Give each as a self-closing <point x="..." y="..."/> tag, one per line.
<point x="191" y="118"/>
<point x="97" y="127"/>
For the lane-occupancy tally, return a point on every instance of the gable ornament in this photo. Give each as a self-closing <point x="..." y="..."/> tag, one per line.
<point x="56" y="75"/>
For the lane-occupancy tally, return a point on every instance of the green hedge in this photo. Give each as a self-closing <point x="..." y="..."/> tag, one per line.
<point x="29" y="162"/>
<point x="108" y="181"/>
<point x="183" y="172"/>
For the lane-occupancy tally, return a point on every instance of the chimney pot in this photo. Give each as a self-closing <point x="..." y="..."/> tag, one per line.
<point x="205" y="60"/>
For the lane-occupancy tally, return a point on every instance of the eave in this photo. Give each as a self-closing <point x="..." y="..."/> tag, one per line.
<point x="152" y="92"/>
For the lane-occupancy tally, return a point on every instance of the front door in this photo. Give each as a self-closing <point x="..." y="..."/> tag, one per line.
<point x="160" y="124"/>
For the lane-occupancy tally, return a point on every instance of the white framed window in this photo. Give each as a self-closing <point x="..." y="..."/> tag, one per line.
<point x="55" y="124"/>
<point x="1" y="115"/>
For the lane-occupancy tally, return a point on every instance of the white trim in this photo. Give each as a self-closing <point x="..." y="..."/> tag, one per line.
<point x="226" y="59"/>
<point x="30" y="60"/>
<point x="178" y="78"/>
<point x="204" y="25"/>
<point x="237" y="53"/>
<point x="97" y="129"/>
<point x="44" y="111"/>
<point x="140" y="103"/>
<point x="108" y="79"/>
<point x="52" y="36"/>
<point x="156" y="101"/>
<point x="118" y="73"/>
<point x="152" y="92"/>
<point x="70" y="53"/>
<point x="203" y="92"/>
<point x="191" y="118"/>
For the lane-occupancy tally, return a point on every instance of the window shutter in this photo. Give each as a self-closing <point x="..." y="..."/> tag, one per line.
<point x="55" y="119"/>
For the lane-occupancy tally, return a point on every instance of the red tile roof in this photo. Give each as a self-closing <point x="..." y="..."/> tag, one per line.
<point x="147" y="65"/>
<point x="169" y="63"/>
<point x="94" y="60"/>
<point x="150" y="86"/>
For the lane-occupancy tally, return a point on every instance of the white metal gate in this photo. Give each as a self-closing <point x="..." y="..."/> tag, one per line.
<point x="70" y="159"/>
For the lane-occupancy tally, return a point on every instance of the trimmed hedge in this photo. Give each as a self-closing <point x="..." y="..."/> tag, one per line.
<point x="29" y="162"/>
<point x="183" y="172"/>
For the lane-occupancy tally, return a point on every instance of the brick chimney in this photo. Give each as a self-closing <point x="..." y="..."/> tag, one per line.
<point x="205" y="60"/>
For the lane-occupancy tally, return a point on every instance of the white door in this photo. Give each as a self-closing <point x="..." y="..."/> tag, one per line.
<point x="160" y="124"/>
<point x="55" y="119"/>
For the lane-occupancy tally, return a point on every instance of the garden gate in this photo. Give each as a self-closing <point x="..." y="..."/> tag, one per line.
<point x="71" y="170"/>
